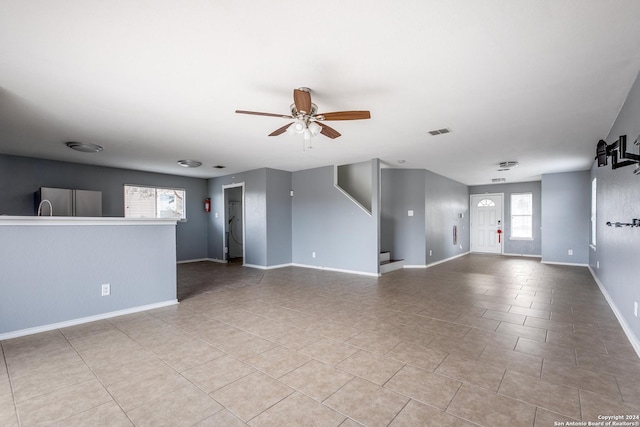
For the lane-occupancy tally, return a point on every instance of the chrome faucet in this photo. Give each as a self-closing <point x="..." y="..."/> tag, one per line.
<point x="40" y="207"/>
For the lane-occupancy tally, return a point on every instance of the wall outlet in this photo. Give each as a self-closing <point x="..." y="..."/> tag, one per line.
<point x="635" y="308"/>
<point x="313" y="254"/>
<point x="430" y="252"/>
<point x="570" y="251"/>
<point x="410" y="213"/>
<point x="106" y="289"/>
<point x="597" y="264"/>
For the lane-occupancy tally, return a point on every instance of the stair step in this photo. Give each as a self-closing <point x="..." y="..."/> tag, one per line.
<point x="384" y="256"/>
<point x="391" y="265"/>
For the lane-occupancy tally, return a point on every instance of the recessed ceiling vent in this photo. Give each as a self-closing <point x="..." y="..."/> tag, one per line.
<point x="505" y="166"/>
<point x="219" y="167"/>
<point x="189" y="163"/>
<point x="439" y="131"/>
<point x="498" y="180"/>
<point x="84" y="147"/>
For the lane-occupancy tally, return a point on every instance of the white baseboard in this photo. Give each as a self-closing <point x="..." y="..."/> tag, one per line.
<point x="635" y="343"/>
<point x="81" y="320"/>
<point x="267" y="267"/>
<point x="338" y="270"/>
<point x="415" y="266"/>
<point x="524" y="255"/>
<point x="575" y="264"/>
<point x="447" y="259"/>
<point x="203" y="259"/>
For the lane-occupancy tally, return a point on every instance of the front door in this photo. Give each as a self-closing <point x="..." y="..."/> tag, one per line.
<point x="486" y="220"/>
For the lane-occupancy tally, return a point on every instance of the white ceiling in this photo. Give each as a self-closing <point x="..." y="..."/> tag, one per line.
<point x="156" y="81"/>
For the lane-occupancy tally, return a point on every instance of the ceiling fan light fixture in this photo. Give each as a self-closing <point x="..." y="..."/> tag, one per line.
<point x="306" y="134"/>
<point x="296" y="127"/>
<point x="314" y="128"/>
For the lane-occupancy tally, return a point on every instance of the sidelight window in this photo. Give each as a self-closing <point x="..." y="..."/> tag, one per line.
<point x="522" y="216"/>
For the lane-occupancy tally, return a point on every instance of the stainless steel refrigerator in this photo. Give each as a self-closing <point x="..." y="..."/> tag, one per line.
<point x="66" y="202"/>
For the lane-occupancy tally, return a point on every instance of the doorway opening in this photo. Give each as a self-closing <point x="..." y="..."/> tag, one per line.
<point x="234" y="223"/>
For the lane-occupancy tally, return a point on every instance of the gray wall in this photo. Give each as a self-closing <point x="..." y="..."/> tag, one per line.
<point x="267" y="207"/>
<point x="54" y="273"/>
<point x="566" y="217"/>
<point x="355" y="180"/>
<point x="404" y="236"/>
<point x="444" y="199"/>
<point x="436" y="202"/>
<point x="279" y="221"/>
<point x="328" y="223"/>
<point x="618" y="199"/>
<point x="518" y="247"/>
<point x="20" y="177"/>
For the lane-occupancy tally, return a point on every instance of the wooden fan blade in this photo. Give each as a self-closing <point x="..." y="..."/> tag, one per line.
<point x="302" y="99"/>
<point x="256" y="113"/>
<point x="328" y="131"/>
<point x="344" y="115"/>
<point x="281" y="130"/>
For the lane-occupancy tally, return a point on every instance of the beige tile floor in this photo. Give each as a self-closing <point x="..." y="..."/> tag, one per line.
<point x="481" y="340"/>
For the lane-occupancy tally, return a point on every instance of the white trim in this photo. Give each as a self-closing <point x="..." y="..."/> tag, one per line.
<point x="221" y="261"/>
<point x="187" y="261"/>
<point x="78" y="220"/>
<point x="267" y="267"/>
<point x="575" y="264"/>
<point x="415" y="266"/>
<point x="449" y="259"/>
<point x="338" y="270"/>
<point x="81" y="320"/>
<point x="524" y="255"/>
<point x="635" y="343"/>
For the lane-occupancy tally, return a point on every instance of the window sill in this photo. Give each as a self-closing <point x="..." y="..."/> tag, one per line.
<point x="521" y="238"/>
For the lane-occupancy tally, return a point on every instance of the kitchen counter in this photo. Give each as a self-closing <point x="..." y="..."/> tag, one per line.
<point x="52" y="270"/>
<point x="76" y="220"/>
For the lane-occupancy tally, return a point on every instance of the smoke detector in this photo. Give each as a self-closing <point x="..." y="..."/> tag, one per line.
<point x="439" y="131"/>
<point x="505" y="166"/>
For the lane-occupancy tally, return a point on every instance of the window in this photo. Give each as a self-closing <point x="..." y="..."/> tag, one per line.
<point x="486" y="203"/>
<point x="152" y="202"/>
<point x="594" y="186"/>
<point x="522" y="216"/>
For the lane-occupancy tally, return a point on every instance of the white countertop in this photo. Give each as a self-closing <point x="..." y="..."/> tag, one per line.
<point x="76" y="220"/>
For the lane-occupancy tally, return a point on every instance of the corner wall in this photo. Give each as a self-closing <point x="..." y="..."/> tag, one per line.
<point x="566" y="213"/>
<point x="445" y="199"/>
<point x="327" y="222"/>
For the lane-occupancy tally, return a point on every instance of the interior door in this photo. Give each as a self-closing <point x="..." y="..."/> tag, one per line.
<point x="486" y="220"/>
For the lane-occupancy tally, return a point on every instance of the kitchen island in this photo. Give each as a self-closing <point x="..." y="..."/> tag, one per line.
<point x="52" y="270"/>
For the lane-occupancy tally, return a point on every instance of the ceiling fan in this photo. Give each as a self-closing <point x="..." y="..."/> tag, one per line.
<point x="307" y="120"/>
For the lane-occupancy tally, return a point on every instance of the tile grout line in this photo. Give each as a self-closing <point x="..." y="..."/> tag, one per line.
<point x="13" y="396"/>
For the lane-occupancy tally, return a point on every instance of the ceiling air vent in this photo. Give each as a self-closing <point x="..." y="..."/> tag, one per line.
<point x="439" y="131"/>
<point x="219" y="167"/>
<point x="505" y="166"/>
<point x="498" y="180"/>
